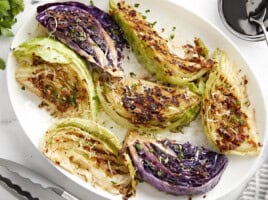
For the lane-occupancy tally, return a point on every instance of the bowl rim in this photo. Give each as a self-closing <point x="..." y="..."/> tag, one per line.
<point x="251" y="38"/>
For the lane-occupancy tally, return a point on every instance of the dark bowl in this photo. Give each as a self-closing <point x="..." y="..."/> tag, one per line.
<point x="252" y="38"/>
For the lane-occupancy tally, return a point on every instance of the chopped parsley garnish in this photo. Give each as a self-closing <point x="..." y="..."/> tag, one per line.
<point x="134" y="86"/>
<point x="140" y="180"/>
<point x="153" y="23"/>
<point x="91" y="2"/>
<point x="136" y="5"/>
<point x="72" y="100"/>
<point x="241" y="121"/>
<point x="166" y="160"/>
<point x="81" y="38"/>
<point x="2" y="64"/>
<point x="174" y="28"/>
<point x="147" y="11"/>
<point x="180" y="156"/>
<point x="113" y="182"/>
<point x="72" y="30"/>
<point x="95" y="98"/>
<point x="151" y="150"/>
<point x="78" y="20"/>
<point x="93" y="28"/>
<point x="144" y="17"/>
<point x="172" y="36"/>
<point x="132" y="74"/>
<point x="159" y="173"/>
<point x="138" y="146"/>
<point x="55" y="93"/>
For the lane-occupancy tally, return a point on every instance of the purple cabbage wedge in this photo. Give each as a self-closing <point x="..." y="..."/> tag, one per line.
<point x="179" y="169"/>
<point x="89" y="31"/>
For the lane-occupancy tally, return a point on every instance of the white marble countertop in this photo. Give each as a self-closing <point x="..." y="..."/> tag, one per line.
<point x="14" y="145"/>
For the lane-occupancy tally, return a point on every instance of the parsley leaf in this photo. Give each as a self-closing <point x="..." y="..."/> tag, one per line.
<point x="2" y="64"/>
<point x="9" y="9"/>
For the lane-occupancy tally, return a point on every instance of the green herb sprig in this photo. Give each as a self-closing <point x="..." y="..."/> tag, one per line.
<point x="9" y="9"/>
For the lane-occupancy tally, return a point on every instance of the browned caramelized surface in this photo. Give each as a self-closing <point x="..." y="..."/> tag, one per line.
<point x="232" y="124"/>
<point x="153" y="41"/>
<point x="57" y="86"/>
<point x="94" y="151"/>
<point x="147" y="103"/>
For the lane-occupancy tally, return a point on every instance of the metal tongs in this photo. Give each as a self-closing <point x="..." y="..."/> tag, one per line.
<point x="25" y="184"/>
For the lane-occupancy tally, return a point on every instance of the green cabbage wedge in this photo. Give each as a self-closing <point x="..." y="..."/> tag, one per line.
<point x="152" y="51"/>
<point x="138" y="104"/>
<point x="56" y="74"/>
<point x="228" y="119"/>
<point x="90" y="151"/>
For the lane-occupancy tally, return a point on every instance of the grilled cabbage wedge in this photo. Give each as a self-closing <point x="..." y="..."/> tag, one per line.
<point x="88" y="150"/>
<point x="142" y="105"/>
<point x="55" y="73"/>
<point x="179" y="169"/>
<point x="152" y="51"/>
<point x="228" y="120"/>
<point x="83" y="29"/>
